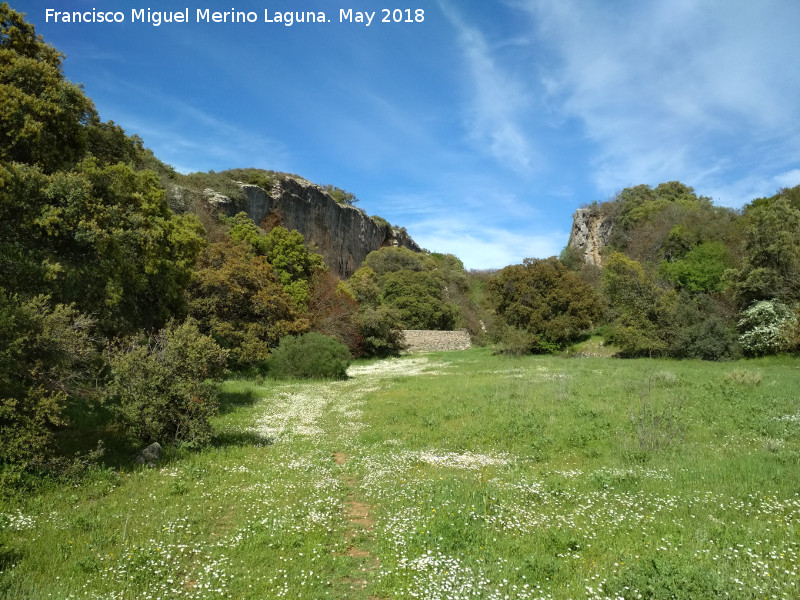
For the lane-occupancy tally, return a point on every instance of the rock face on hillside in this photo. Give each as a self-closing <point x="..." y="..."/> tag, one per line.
<point x="589" y="235"/>
<point x="343" y="234"/>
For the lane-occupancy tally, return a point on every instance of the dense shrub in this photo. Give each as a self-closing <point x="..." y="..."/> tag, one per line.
<point x="163" y="388"/>
<point x="641" y="312"/>
<point x="234" y="297"/>
<point x="547" y="300"/>
<point x="333" y="311"/>
<point x="391" y="258"/>
<point x="702" y="329"/>
<point x="701" y="269"/>
<point x="46" y="355"/>
<point x="365" y="287"/>
<point x="419" y="298"/>
<point x="310" y="356"/>
<point x="771" y="262"/>
<point x="518" y="342"/>
<point x="380" y="329"/>
<point x="293" y="262"/>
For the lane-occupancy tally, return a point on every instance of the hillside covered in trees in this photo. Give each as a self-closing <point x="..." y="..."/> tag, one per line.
<point x="677" y="277"/>
<point x="125" y="293"/>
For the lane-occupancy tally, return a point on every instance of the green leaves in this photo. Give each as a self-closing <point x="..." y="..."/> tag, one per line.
<point x="101" y="237"/>
<point x="235" y="297"/>
<point x="162" y="388"/>
<point x="546" y="300"/>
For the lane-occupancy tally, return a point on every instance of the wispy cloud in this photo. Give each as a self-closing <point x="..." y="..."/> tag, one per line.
<point x="497" y="99"/>
<point x="481" y="247"/>
<point x="188" y="137"/>
<point x="482" y="227"/>
<point x="677" y="90"/>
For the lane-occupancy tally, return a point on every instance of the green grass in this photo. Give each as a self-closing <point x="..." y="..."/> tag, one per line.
<point x="450" y="475"/>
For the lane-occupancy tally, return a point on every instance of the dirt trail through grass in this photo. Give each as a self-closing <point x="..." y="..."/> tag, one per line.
<point x="328" y="417"/>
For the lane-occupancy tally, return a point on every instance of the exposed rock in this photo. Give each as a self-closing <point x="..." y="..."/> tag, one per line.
<point x="590" y="233"/>
<point x="214" y="198"/>
<point x="150" y="455"/>
<point x="343" y="234"/>
<point x="422" y="340"/>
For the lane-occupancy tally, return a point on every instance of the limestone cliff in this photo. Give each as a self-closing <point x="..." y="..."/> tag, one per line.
<point x="343" y="234"/>
<point x="590" y="233"/>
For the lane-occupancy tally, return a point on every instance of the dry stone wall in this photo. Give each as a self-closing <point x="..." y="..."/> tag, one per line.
<point x="420" y="340"/>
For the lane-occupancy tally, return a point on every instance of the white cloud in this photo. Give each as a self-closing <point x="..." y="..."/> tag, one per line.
<point x="186" y="137"/>
<point x="701" y="92"/>
<point x="497" y="100"/>
<point x="487" y="248"/>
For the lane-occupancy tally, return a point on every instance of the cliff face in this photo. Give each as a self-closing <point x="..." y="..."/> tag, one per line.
<point x="589" y="235"/>
<point x="343" y="234"/>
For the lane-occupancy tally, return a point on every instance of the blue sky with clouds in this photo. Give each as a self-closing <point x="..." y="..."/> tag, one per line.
<point x="480" y="129"/>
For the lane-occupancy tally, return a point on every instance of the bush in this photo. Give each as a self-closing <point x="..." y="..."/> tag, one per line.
<point x="46" y="356"/>
<point x="310" y="356"/>
<point x="545" y="299"/>
<point x="515" y="341"/>
<point x="767" y="328"/>
<point x="163" y="388"/>
<point x="380" y="328"/>
<point x="703" y="329"/>
<point x="235" y="297"/>
<point x="419" y="299"/>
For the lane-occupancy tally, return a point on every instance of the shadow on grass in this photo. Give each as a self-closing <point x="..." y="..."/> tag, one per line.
<point x="240" y="438"/>
<point x="234" y="400"/>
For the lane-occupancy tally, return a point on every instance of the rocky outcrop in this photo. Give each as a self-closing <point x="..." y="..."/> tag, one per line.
<point x="343" y="234"/>
<point x="422" y="340"/>
<point x="589" y="235"/>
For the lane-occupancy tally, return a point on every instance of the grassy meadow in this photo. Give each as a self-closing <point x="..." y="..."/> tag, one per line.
<point x="447" y="475"/>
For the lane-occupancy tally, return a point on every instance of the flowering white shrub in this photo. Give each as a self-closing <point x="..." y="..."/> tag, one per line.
<point x="767" y="327"/>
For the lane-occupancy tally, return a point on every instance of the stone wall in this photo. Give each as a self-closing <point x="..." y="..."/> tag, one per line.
<point x="419" y="340"/>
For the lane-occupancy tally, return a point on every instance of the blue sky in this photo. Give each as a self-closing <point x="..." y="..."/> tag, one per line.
<point x="480" y="129"/>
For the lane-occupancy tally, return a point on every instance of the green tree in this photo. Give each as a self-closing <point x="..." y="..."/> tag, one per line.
<point x="546" y="300"/>
<point x="294" y="263"/>
<point x="702" y="269"/>
<point x="381" y="329"/>
<point x="418" y="297"/>
<point x="43" y="117"/>
<point x="771" y="264"/>
<point x="235" y="297"/>
<point x="365" y="287"/>
<point x="244" y="230"/>
<point x="393" y="258"/>
<point x="340" y="196"/>
<point x="702" y="328"/>
<point x="47" y="355"/>
<point x="641" y="312"/>
<point x="101" y="237"/>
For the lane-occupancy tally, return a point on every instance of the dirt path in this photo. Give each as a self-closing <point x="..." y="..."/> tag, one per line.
<point x="360" y="529"/>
